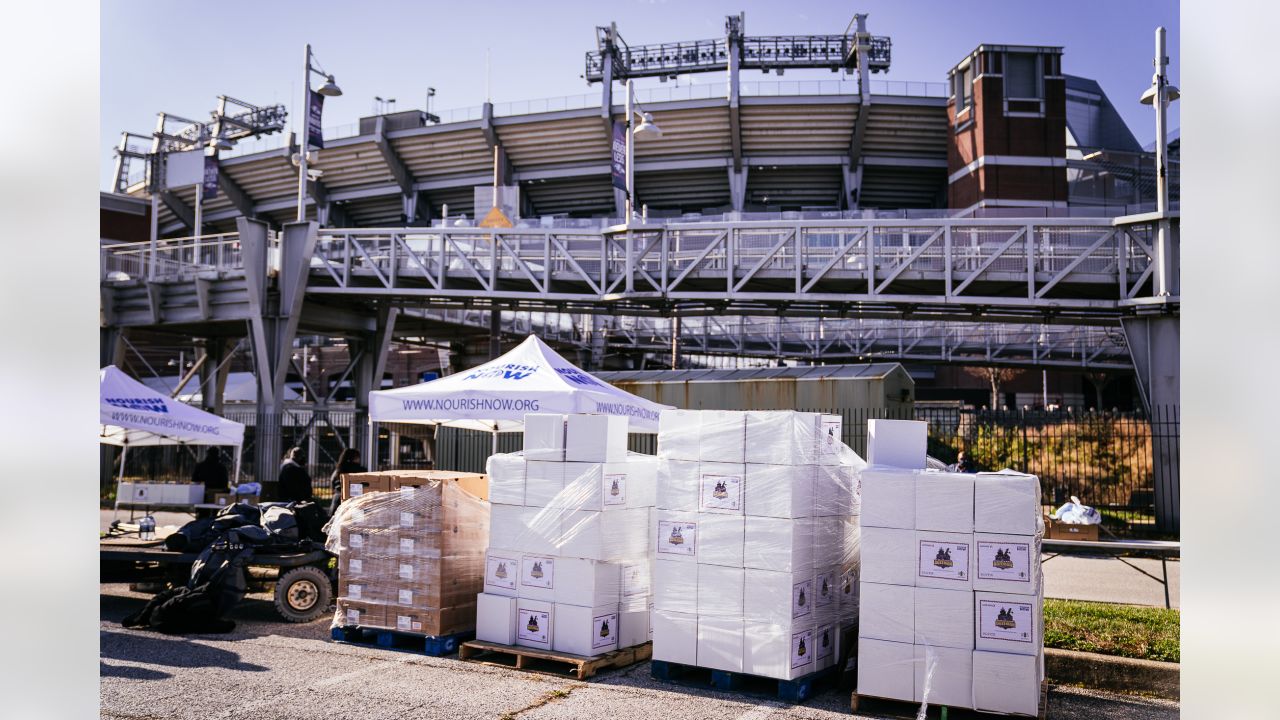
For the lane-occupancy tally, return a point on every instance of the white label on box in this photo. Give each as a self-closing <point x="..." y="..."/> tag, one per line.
<point x="826" y="588"/>
<point x="355" y="592"/>
<point x="615" y="489"/>
<point x="944" y="560"/>
<point x="353" y="616"/>
<point x="1004" y="561"/>
<point x="677" y="538"/>
<point x="357" y="515"/>
<point x="406" y="546"/>
<point x="534" y="625"/>
<point x="406" y="519"/>
<point x="501" y="572"/>
<point x="848" y="580"/>
<point x="720" y="492"/>
<point x="538" y="572"/>
<point x="357" y="489"/>
<point x="829" y="443"/>
<point x="403" y="622"/>
<point x="406" y="493"/>
<point x="1006" y="621"/>
<point x="406" y="597"/>
<point x="802" y="649"/>
<point x="826" y="641"/>
<point x="801" y="598"/>
<point x="603" y="631"/>
<point x="356" y="541"/>
<point x="355" y="565"/>
<point x="635" y="579"/>
<point x="406" y="571"/>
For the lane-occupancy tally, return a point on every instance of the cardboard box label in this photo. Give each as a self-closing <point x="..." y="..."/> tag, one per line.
<point x="533" y="626"/>
<point x="604" y="631"/>
<point x="848" y="583"/>
<point x="826" y="588"/>
<point x="406" y="546"/>
<point x="406" y="520"/>
<point x="1006" y="621"/>
<point x="720" y="492"/>
<point x="405" y="597"/>
<point x="357" y="489"/>
<point x="677" y="538"/>
<point x="355" y="565"/>
<point x="355" y="592"/>
<point x="501" y="572"/>
<point x="635" y="579"/>
<point x="1004" y="561"/>
<point x="802" y="598"/>
<point x="538" y="572"/>
<point x="826" y="641"/>
<point x="802" y="649"/>
<point x="357" y="515"/>
<point x="406" y="571"/>
<point x="356" y="541"/>
<point x="829" y="443"/>
<point x="406" y="623"/>
<point x="353" y="616"/>
<point x="406" y="493"/>
<point x="615" y="489"/>
<point x="944" y="560"/>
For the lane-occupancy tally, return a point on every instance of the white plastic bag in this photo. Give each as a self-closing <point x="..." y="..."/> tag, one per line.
<point x="1077" y="513"/>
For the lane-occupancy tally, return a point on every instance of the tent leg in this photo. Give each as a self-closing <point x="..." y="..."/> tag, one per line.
<point x="371" y="447"/>
<point x="239" y="456"/>
<point x="119" y="479"/>
<point x="495" y="440"/>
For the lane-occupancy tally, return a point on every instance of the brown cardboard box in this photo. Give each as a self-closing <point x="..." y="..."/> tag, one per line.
<point x="352" y="612"/>
<point x="353" y="567"/>
<point x="222" y="499"/>
<point x="433" y="621"/>
<point x="474" y="484"/>
<point x="418" y="571"/>
<point x="1055" y="530"/>
<point x="365" y="590"/>
<point x="362" y="541"/>
<point x="364" y="482"/>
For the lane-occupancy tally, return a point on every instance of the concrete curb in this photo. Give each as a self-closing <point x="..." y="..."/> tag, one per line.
<point x="1118" y="674"/>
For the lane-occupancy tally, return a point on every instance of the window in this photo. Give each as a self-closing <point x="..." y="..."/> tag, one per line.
<point x="1022" y="79"/>
<point x="963" y="88"/>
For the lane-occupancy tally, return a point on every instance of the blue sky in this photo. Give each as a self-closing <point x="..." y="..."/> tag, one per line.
<point x="177" y="56"/>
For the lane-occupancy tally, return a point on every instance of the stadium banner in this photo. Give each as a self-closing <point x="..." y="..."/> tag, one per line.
<point x="314" y="112"/>
<point x="619" y="163"/>
<point x="210" y="176"/>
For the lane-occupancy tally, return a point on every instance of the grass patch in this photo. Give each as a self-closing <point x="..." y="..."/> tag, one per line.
<point x="1145" y="633"/>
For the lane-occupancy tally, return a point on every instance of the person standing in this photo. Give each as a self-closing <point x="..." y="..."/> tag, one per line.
<point x="295" y="481"/>
<point x="964" y="464"/>
<point x="212" y="473"/>
<point x="348" y="462"/>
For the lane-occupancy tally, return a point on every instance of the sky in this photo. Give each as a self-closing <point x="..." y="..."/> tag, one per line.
<point x="177" y="56"/>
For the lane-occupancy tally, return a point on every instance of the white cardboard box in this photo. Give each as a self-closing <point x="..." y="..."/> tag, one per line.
<point x="720" y="642"/>
<point x="538" y="576"/>
<point x="720" y="590"/>
<point x="496" y="618"/>
<point x="780" y="437"/>
<point x="826" y="638"/>
<point x="826" y="593"/>
<point x="616" y="535"/>
<point x="633" y="624"/>
<point x="675" y="637"/>
<point x="850" y="594"/>
<point x="944" y="560"/>
<point x="535" y="623"/>
<point x="642" y="481"/>
<point x="721" y="488"/>
<point x="887" y="612"/>
<point x="897" y="443"/>
<point x="544" y="436"/>
<point x="888" y="556"/>
<point x="501" y="573"/>
<point x="523" y="529"/>
<point x="1007" y="563"/>
<point x="636" y="577"/>
<point x="886" y="669"/>
<point x="944" y="676"/>
<point x="780" y="491"/>
<point x="888" y="498"/>
<point x="1006" y="683"/>
<point x="770" y="596"/>
<point x="580" y="581"/>
<point x="830" y="546"/>
<point x="1008" y="623"/>
<point x="944" y="502"/>
<point x="834" y="491"/>
<point x="675" y="586"/>
<point x="543" y="483"/>
<point x="678" y="434"/>
<point x="677" y="485"/>
<point x="785" y="545"/>
<point x="1007" y="502"/>
<point x="722" y="436"/>
<point x="506" y="478"/>
<point x="676" y="536"/>
<point x="595" y="438"/>
<point x="784" y="651"/>
<point x="585" y="630"/>
<point x="944" y="618"/>
<point x="720" y="540"/>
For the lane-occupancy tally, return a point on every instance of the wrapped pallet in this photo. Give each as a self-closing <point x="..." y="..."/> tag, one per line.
<point x="410" y="547"/>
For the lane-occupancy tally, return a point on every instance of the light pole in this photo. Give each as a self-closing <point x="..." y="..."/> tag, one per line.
<point x="329" y="89"/>
<point x="646" y="127"/>
<point x="1159" y="96"/>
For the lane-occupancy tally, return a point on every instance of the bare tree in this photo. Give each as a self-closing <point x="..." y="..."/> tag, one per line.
<point x="995" y="377"/>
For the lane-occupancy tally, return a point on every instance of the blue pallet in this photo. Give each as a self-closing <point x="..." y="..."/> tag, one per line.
<point x="790" y="691"/>
<point x="433" y="645"/>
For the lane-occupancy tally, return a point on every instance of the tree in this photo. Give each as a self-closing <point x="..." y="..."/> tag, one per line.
<point x="995" y="377"/>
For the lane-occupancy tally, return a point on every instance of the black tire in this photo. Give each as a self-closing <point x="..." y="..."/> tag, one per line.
<point x="303" y="594"/>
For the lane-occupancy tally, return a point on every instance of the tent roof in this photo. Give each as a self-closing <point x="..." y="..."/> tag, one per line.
<point x="531" y="378"/>
<point x="133" y="414"/>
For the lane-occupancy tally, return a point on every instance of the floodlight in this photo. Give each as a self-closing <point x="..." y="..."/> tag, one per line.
<point x="329" y="89"/>
<point x="647" y="127"/>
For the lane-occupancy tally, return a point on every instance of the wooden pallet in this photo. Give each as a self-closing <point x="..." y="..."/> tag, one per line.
<point x="549" y="662"/>
<point x="433" y="645"/>
<point x="909" y="709"/>
<point x="790" y="691"/>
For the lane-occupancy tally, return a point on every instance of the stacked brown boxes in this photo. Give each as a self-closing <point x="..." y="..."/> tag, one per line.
<point x="410" y="547"/>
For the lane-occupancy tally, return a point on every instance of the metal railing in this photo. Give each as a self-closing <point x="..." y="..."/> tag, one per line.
<point x="172" y="259"/>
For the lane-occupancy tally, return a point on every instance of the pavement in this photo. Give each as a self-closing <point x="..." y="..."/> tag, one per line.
<point x="268" y="669"/>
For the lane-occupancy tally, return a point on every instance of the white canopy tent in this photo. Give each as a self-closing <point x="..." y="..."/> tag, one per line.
<point x="132" y="414"/>
<point x="495" y="396"/>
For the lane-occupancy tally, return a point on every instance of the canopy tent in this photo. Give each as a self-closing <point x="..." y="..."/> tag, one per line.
<point x="495" y="396"/>
<point x="132" y="415"/>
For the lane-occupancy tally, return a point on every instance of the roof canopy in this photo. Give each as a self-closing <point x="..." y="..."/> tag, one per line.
<point x="133" y="414"/>
<point x="532" y="378"/>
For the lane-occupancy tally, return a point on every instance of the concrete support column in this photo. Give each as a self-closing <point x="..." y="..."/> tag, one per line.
<point x="738" y="188"/>
<point x="213" y="374"/>
<point x="1153" y="344"/>
<point x="111" y="346"/>
<point x="495" y="333"/>
<point x="369" y="353"/>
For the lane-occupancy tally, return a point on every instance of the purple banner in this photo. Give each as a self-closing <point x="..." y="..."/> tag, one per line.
<point x="210" y="176"/>
<point x="314" y="112"/>
<point x="619" y="163"/>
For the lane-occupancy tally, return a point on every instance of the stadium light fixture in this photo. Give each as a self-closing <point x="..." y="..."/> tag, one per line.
<point x="329" y="89"/>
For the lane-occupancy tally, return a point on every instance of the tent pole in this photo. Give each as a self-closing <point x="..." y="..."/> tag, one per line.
<point x="119" y="479"/>
<point x="371" y="447"/>
<point x="495" y="439"/>
<point x="239" y="454"/>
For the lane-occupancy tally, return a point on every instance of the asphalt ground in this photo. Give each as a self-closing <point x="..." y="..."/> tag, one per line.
<point x="268" y="669"/>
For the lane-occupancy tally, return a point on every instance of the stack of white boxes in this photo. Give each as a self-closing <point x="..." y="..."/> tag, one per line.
<point x="951" y="595"/>
<point x="755" y="540"/>
<point x="567" y="565"/>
